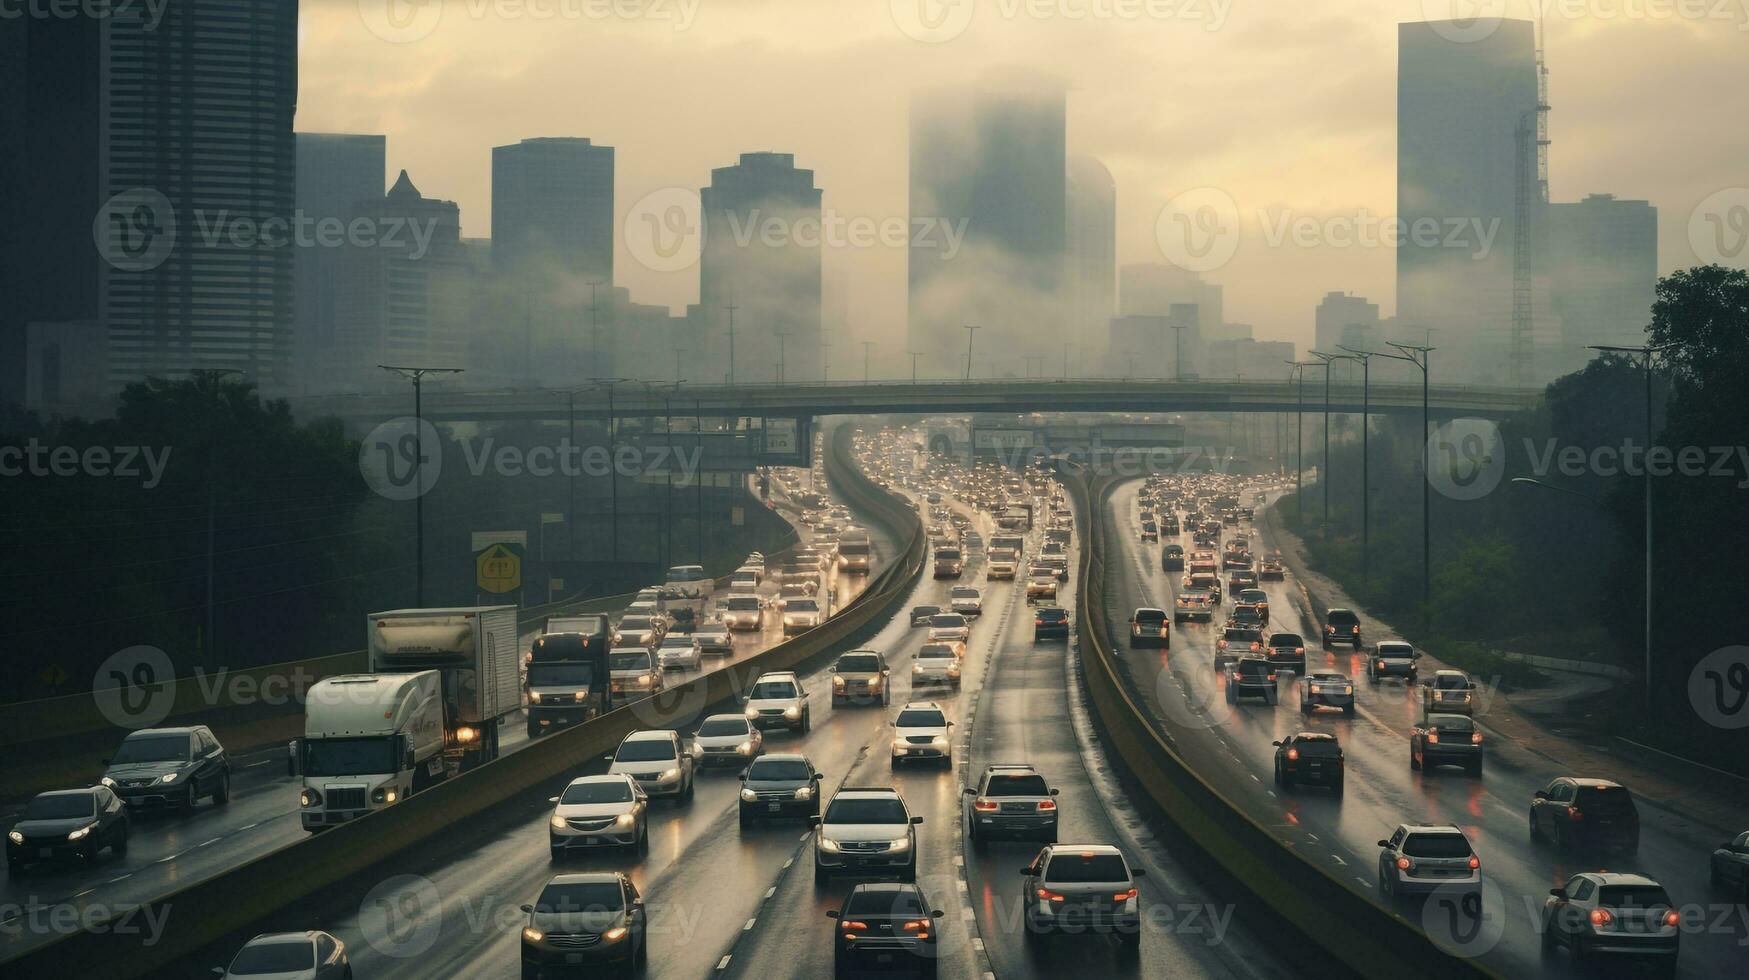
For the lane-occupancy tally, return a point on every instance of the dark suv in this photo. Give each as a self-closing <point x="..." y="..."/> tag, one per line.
<point x="883" y="924"/>
<point x="1251" y="677"/>
<point x="1341" y="626"/>
<point x="1050" y="623"/>
<point x="1149" y="627"/>
<point x="169" y="767"/>
<point x="1579" y="813"/>
<point x="779" y="785"/>
<point x="1310" y="757"/>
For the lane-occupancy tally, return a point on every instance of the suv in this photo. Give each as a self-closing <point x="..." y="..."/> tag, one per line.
<point x="169" y="767"/>
<point x="1288" y="650"/>
<point x="1050" y="623"/>
<point x="583" y="920"/>
<point x="1081" y="889"/>
<point x="68" y="823"/>
<point x="777" y="698"/>
<point x="1172" y="558"/>
<point x="1574" y="812"/>
<point x="1446" y="740"/>
<point x="658" y="760"/>
<point x="921" y="615"/>
<point x="1392" y="657"/>
<point x="1252" y="599"/>
<point x="1327" y="689"/>
<point x="1251" y="677"/>
<point x="638" y="631"/>
<point x="1150" y="531"/>
<point x="950" y="628"/>
<point x="861" y="675"/>
<point x="1449" y="691"/>
<point x="1041" y="584"/>
<point x="1341" y="626"/>
<point x="883" y="923"/>
<point x="1148" y="627"/>
<point x="921" y="731"/>
<point x="1600" y="913"/>
<point x="1011" y="800"/>
<point x="1419" y="859"/>
<point x="1238" y="640"/>
<point x="1310" y="757"/>
<point x="935" y="663"/>
<point x="965" y="600"/>
<point x="632" y="673"/>
<point x="865" y="829"/>
<point x="1193" y="603"/>
<point x="784" y="785"/>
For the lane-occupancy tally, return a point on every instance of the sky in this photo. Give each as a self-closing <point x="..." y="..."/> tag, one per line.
<point x="1287" y="109"/>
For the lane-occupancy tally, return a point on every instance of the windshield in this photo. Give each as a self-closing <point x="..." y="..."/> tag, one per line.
<point x="744" y="603"/>
<point x="1436" y="846"/>
<point x="1052" y="614"/>
<point x="60" y="806"/>
<point x="560" y="646"/>
<point x="1087" y="867"/>
<point x="1450" y="682"/>
<point x="1395" y="650"/>
<point x="288" y="956"/>
<point x="866" y="810"/>
<point x="560" y="675"/>
<point x="598" y="791"/>
<point x="858" y="663"/>
<point x="590" y="896"/>
<point x="723" y="725"/>
<point x="937" y="653"/>
<point x="1253" y="668"/>
<point x="1150" y="616"/>
<point x="1604" y="797"/>
<point x="921" y="718"/>
<point x="773" y="690"/>
<point x="632" y="623"/>
<point x="779" y="770"/>
<point x="1633" y="897"/>
<point x="677" y="641"/>
<point x="685" y="573"/>
<point x="1322" y="748"/>
<point x="802" y="605"/>
<point x="350" y="756"/>
<point x="1027" y="785"/>
<point x="152" y="748"/>
<point x="628" y="661"/>
<point x="1342" y="617"/>
<point x="870" y="901"/>
<point x="963" y="592"/>
<point x="947" y="622"/>
<point x="645" y="750"/>
<point x="1285" y="640"/>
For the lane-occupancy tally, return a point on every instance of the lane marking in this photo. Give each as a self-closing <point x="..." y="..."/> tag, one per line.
<point x="749" y="924"/>
<point x="723" y="964"/>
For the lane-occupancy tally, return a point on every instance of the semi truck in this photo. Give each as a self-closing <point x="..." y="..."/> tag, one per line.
<point x="474" y="651"/>
<point x="370" y="741"/>
<point x="567" y="673"/>
<point x="1002" y="558"/>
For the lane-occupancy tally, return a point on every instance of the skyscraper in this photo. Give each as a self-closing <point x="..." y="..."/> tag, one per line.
<point x="1343" y="319"/>
<point x="987" y="159"/>
<point x="552" y="206"/>
<point x="196" y="119"/>
<point x="760" y="265"/>
<point x="1603" y="273"/>
<point x="338" y="176"/>
<point x="1092" y="245"/>
<point x="1466" y="96"/>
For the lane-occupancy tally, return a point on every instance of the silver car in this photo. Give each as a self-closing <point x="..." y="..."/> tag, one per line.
<point x="1418" y="859"/>
<point x="1082" y="889"/>
<point x="658" y="761"/>
<point x="728" y="740"/>
<point x="599" y="811"/>
<point x="1011" y="800"/>
<point x="312" y="955"/>
<point x="935" y="663"/>
<point x="744" y="612"/>
<point x="678" y="651"/>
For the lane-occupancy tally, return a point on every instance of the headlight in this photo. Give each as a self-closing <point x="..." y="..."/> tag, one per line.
<point x="745" y="748"/>
<point x="534" y="697"/>
<point x="625" y="820"/>
<point x="81" y="833"/>
<point x="171" y="777"/>
<point x="614" y="935"/>
<point x="532" y="934"/>
<point x="916" y="668"/>
<point x="579" y="696"/>
<point x="670" y="773"/>
<point x="900" y="844"/>
<point x="466" y="734"/>
<point x="899" y="743"/>
<point x="828" y="845"/>
<point x="837" y="682"/>
<point x="751" y="713"/>
<point x="107" y="782"/>
<point x="309" y="798"/>
<point x="748" y="795"/>
<point x="15" y="837"/>
<point x="805" y="793"/>
<point x="384" y="795"/>
<point x="559" y="823"/>
<point x="792" y="712"/>
<point x="643" y="680"/>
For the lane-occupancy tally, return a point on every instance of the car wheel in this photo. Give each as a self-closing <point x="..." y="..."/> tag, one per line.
<point x="1548" y="935"/>
<point x="807" y="722"/>
<point x="533" y="730"/>
<point x="187" y="804"/>
<point x="1305" y="707"/>
<point x="1278" y="773"/>
<point x="1271" y="697"/>
<point x="1287" y="781"/>
<point x="689" y="789"/>
<point x="1129" y="945"/>
<point x="222" y="794"/>
<point x="1476" y="768"/>
<point x="1232" y="698"/>
<point x="642" y="956"/>
<point x="1385" y="887"/>
<point x="1336" y="787"/>
<point x="530" y="972"/>
<point x="1534" y="836"/>
<point x="1348" y="711"/>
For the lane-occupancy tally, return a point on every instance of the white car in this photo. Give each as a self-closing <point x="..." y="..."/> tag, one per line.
<point x="777" y="698"/>
<point x="966" y="601"/>
<point x="599" y="811"/>
<point x="935" y="663"/>
<point x="713" y="637"/>
<point x="728" y="740"/>
<point x="637" y="631"/>
<point x="678" y="651"/>
<point x="310" y="955"/>
<point x="744" y="580"/>
<point x="658" y="761"/>
<point x="801" y="615"/>
<point x="950" y="628"/>
<point x="632" y="672"/>
<point x="744" y="612"/>
<point x="921" y="732"/>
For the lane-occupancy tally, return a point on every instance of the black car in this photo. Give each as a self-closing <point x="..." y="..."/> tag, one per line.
<point x="1288" y="650"/>
<point x="886" y="925"/>
<point x="1446" y="740"/>
<point x="1172" y="558"/>
<point x="1341" y="626"/>
<point x="1150" y="628"/>
<point x="1579" y="813"/>
<point x="1251" y="677"/>
<point x="920" y="615"/>
<point x="777" y="786"/>
<point x="583" y="922"/>
<point x="1310" y="758"/>
<point x="1050" y="623"/>
<point x="169" y="767"/>
<point x="1730" y="866"/>
<point x="68" y="823"/>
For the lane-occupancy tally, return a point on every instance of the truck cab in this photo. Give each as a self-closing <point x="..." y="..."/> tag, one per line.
<point x="370" y="741"/>
<point x="567" y="678"/>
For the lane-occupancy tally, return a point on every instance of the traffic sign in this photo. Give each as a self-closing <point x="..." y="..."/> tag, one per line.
<point x="498" y="569"/>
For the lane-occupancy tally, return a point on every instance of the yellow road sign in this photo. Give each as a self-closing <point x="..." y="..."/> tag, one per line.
<point x="498" y="569"/>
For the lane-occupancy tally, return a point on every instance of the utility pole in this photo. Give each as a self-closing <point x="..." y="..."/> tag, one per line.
<point x="913" y="355"/>
<point x="867" y="345"/>
<point x="698" y="474"/>
<point x="971" y="331"/>
<point x="1324" y="470"/>
<point x="417" y="376"/>
<point x="731" y="307"/>
<point x="677" y="351"/>
<point x="825" y="357"/>
<point x="782" y="335"/>
<point x="1421" y="357"/>
<point x="1066" y="360"/>
<point x="1365" y="359"/>
<point x="612" y="455"/>
<point x="1178" y="350"/>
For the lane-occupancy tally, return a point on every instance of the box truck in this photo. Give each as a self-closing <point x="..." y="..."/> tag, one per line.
<point x="474" y="651"/>
<point x="370" y="741"/>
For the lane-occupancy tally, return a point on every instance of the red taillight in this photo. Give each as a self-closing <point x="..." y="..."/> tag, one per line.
<point x="1299" y="649"/>
<point x="1475" y="862"/>
<point x="1672" y="918"/>
<point x="1047" y="805"/>
<point x="1046" y="895"/>
<point x="847" y="924"/>
<point x="1124" y="896"/>
<point x="1601" y="917"/>
<point x="1293" y="754"/>
<point x="1404" y="864"/>
<point x="1475" y="738"/>
<point x="1038" y="622"/>
<point x="1574" y="813"/>
<point x="916" y="924"/>
<point x="1432" y="736"/>
<point x="984" y="806"/>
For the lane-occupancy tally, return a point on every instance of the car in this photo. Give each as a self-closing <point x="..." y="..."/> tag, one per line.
<point x="777" y="786"/>
<point x="1150" y="628"/>
<point x="1310" y="758"/>
<point x="638" y="631"/>
<point x="922" y="733"/>
<point x="777" y="698"/>
<point x="1246" y="616"/>
<point x="801" y="615"/>
<point x="1418" y="859"/>
<point x="1341" y="626"/>
<point x="1271" y="569"/>
<point x="1615" y="916"/>
<point x="169" y="767"/>
<point x="727" y="740"/>
<point x="1011" y="800"/>
<point x="1729" y="866"/>
<point x="1172" y="558"/>
<point x="1450" y="692"/>
<point x="1239" y="640"/>
<point x="1392" y="658"/>
<point x="1326" y="689"/>
<point x="861" y="676"/>
<point x="950" y="628"/>
<point x="713" y="637"/>
<point x="865" y="830"/>
<point x="68" y="823"/>
<point x="1251" y="677"/>
<point x="585" y="921"/>
<point x="678" y="651"/>
<point x="1254" y="599"/>
<point x="885" y="925"/>
<point x="658" y="760"/>
<point x="1202" y="580"/>
<point x="1050" y="623"/>
<point x="632" y="673"/>
<point x="921" y="615"/>
<point x="1287" y="650"/>
<point x="312" y="955"/>
<point x="599" y="811"/>
<point x="936" y="663"/>
<point x="744" y="612"/>
<point x="744" y="580"/>
<point x="1150" y="531"/>
<point x="1193" y="604"/>
<point x="1082" y="889"/>
<point x="1041" y="583"/>
<point x="1237" y="561"/>
<point x="949" y="563"/>
<point x="966" y="601"/>
<point x="790" y="592"/>
<point x="1446" y="740"/>
<point x="1577" y="813"/>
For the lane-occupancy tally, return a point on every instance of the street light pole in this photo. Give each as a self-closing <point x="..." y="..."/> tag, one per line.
<point x="731" y="308"/>
<point x="867" y="345"/>
<point x="1298" y="368"/>
<point x="1178" y="350"/>
<point x="1422" y="358"/>
<point x="782" y="335"/>
<point x="1324" y="469"/>
<point x="913" y="355"/>
<point x="971" y="331"/>
<point x="1365" y="359"/>
<point x="417" y="376"/>
<point x="612" y="457"/>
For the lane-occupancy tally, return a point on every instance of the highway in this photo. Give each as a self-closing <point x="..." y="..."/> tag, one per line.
<point x="167" y="851"/>
<point x="1231" y="746"/>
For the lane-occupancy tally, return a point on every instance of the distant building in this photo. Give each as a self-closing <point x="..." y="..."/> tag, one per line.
<point x="1153" y="289"/>
<point x="552" y="206"/>
<point x="338" y="175"/>
<point x="1249" y="359"/>
<point x="1092" y="245"/>
<point x="768" y="271"/>
<point x="67" y="367"/>
<point x="1140" y="347"/>
<point x="1603" y="273"/>
<point x="1346" y="320"/>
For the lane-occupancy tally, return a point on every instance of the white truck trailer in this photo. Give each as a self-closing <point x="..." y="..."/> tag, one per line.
<point x="475" y="652"/>
<point x="370" y="741"/>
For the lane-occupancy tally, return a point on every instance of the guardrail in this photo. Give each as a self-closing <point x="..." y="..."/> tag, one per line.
<point x="197" y="916"/>
<point x="1326" y="911"/>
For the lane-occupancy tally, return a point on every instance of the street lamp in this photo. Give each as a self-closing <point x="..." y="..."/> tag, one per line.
<point x="1298" y="368"/>
<point x="417" y="376"/>
<point x="1324" y="470"/>
<point x="867" y="346"/>
<point x="1365" y="359"/>
<point x="612" y="455"/>
<point x="1421" y="358"/>
<point x="913" y="355"/>
<point x="971" y="331"/>
<point x="213" y="381"/>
